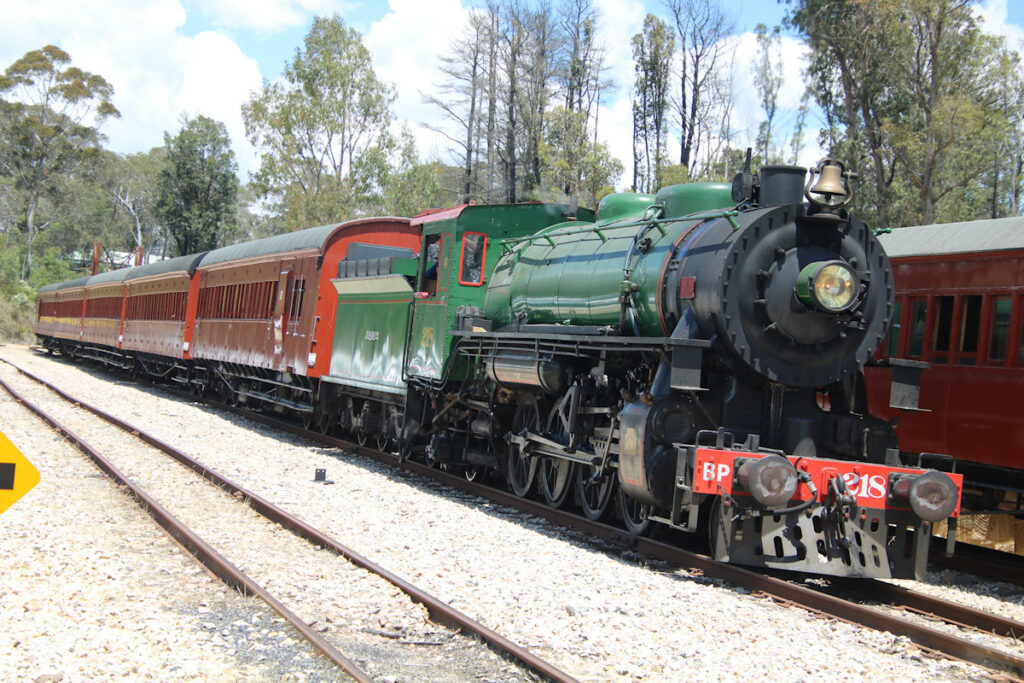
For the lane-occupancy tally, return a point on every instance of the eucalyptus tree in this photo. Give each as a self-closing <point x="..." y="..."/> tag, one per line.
<point x="198" y="186"/>
<point x="653" y="48"/>
<point x="51" y="113"/>
<point x="704" y="98"/>
<point x="322" y="132"/>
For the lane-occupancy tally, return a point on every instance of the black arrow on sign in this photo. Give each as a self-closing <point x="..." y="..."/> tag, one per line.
<point x="6" y="476"/>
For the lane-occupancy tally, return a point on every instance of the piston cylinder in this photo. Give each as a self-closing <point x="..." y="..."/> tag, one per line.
<point x="549" y="375"/>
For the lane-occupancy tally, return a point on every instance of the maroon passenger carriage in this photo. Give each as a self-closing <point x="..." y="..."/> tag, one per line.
<point x="59" y="309"/>
<point x="960" y="308"/>
<point x="265" y="312"/>
<point x="157" y="314"/>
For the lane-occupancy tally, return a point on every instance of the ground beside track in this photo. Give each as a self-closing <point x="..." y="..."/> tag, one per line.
<point x="596" y="615"/>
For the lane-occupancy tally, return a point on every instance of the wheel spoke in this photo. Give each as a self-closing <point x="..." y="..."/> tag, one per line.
<point x="594" y="495"/>
<point x="522" y="468"/>
<point x="635" y="515"/>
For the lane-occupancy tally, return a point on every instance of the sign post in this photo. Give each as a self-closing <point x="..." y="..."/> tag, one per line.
<point x="17" y="475"/>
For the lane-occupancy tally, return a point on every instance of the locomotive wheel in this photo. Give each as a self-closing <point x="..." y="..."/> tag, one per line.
<point x="557" y="475"/>
<point x="226" y="394"/>
<point x="556" y="480"/>
<point x="362" y="438"/>
<point x="522" y="469"/>
<point x="594" y="497"/>
<point x="634" y="514"/>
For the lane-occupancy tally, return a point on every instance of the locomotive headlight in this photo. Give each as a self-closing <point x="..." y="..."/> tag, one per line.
<point x="932" y="495"/>
<point x="771" y="480"/>
<point x="830" y="286"/>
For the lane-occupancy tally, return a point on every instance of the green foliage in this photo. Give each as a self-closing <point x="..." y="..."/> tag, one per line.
<point x="572" y="164"/>
<point x="198" y="187"/>
<point x="768" y="81"/>
<point x="915" y="90"/>
<point x="412" y="186"/>
<point x="676" y="174"/>
<point x="50" y="115"/>
<point x="653" y="49"/>
<point x="17" y="297"/>
<point x="323" y="132"/>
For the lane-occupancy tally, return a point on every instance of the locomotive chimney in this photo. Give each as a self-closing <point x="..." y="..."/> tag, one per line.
<point x="782" y="185"/>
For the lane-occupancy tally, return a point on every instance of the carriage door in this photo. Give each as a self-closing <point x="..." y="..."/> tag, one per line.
<point x="280" y="324"/>
<point x="429" y="328"/>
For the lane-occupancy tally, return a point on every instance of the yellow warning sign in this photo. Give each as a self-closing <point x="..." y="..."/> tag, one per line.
<point x="17" y="475"/>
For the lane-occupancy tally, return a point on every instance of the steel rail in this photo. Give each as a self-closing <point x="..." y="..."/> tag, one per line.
<point x="951" y="612"/>
<point x="439" y="611"/>
<point x="812" y="600"/>
<point x="788" y="592"/>
<point x="216" y="563"/>
<point x="998" y="571"/>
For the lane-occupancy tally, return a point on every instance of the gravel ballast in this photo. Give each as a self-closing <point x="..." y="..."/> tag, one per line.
<point x="599" y="615"/>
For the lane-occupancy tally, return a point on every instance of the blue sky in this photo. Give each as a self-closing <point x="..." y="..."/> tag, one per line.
<point x="169" y="57"/>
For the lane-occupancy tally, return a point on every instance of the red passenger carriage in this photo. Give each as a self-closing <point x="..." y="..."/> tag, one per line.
<point x="960" y="308"/>
<point x="156" y="308"/>
<point x="60" y="308"/>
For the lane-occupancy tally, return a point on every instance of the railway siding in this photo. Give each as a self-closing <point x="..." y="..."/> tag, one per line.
<point x="93" y="590"/>
<point x="363" y="615"/>
<point x="598" y="616"/>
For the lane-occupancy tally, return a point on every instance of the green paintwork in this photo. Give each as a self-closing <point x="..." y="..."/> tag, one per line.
<point x="370" y="333"/>
<point x="683" y="200"/>
<point x="623" y="207"/>
<point x="435" y="316"/>
<point x="573" y="273"/>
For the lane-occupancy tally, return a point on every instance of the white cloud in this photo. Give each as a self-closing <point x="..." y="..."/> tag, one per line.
<point x="407" y="45"/>
<point x="615" y="129"/>
<point x="157" y="72"/>
<point x="266" y="16"/>
<point x="994" y="16"/>
<point x="619" y="21"/>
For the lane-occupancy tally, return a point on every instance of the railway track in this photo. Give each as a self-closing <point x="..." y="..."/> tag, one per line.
<point x="984" y="562"/>
<point x="825" y="599"/>
<point x="219" y="565"/>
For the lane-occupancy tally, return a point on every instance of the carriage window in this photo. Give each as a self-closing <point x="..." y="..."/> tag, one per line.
<point x="917" y="318"/>
<point x="893" y="347"/>
<point x="970" y="327"/>
<point x="474" y="250"/>
<point x="1000" y="328"/>
<point x="943" y="328"/>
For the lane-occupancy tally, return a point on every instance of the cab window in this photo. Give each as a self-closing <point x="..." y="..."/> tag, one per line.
<point x="471" y="260"/>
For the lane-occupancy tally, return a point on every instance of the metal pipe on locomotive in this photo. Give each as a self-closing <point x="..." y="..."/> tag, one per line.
<point x="697" y="355"/>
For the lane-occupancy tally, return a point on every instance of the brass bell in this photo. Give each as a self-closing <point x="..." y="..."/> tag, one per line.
<point x="830" y="181"/>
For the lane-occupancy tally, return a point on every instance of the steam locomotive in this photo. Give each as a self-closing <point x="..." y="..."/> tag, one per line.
<point x="690" y="359"/>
